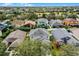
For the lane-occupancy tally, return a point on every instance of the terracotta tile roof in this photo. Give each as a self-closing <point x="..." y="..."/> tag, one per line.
<point x="29" y="22"/>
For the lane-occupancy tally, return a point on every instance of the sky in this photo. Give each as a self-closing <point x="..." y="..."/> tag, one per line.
<point x="36" y="4"/>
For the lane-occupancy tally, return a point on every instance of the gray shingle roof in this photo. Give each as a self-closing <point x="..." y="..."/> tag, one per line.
<point x="2" y="26"/>
<point x="39" y="33"/>
<point x="15" y="37"/>
<point x="60" y="33"/>
<point x="55" y="22"/>
<point x="42" y="20"/>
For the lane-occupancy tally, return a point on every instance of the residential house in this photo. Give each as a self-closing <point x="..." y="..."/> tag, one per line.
<point x="39" y="33"/>
<point x="2" y="27"/>
<point x="62" y="35"/>
<point x="42" y="23"/>
<point x="30" y="23"/>
<point x="40" y="14"/>
<point x="75" y="32"/>
<point x="70" y="22"/>
<point x="18" y="23"/>
<point x="15" y="38"/>
<point x="42" y="20"/>
<point x="55" y="23"/>
<point x="5" y="21"/>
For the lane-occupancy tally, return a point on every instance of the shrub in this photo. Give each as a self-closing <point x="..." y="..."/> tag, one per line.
<point x="2" y="49"/>
<point x="5" y="33"/>
<point x="24" y="28"/>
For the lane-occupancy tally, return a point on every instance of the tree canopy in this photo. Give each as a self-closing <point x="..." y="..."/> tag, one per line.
<point x="33" y="48"/>
<point x="2" y="49"/>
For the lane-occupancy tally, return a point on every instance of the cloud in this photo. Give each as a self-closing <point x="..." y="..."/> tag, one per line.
<point x="28" y="4"/>
<point x="5" y="4"/>
<point x="16" y="4"/>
